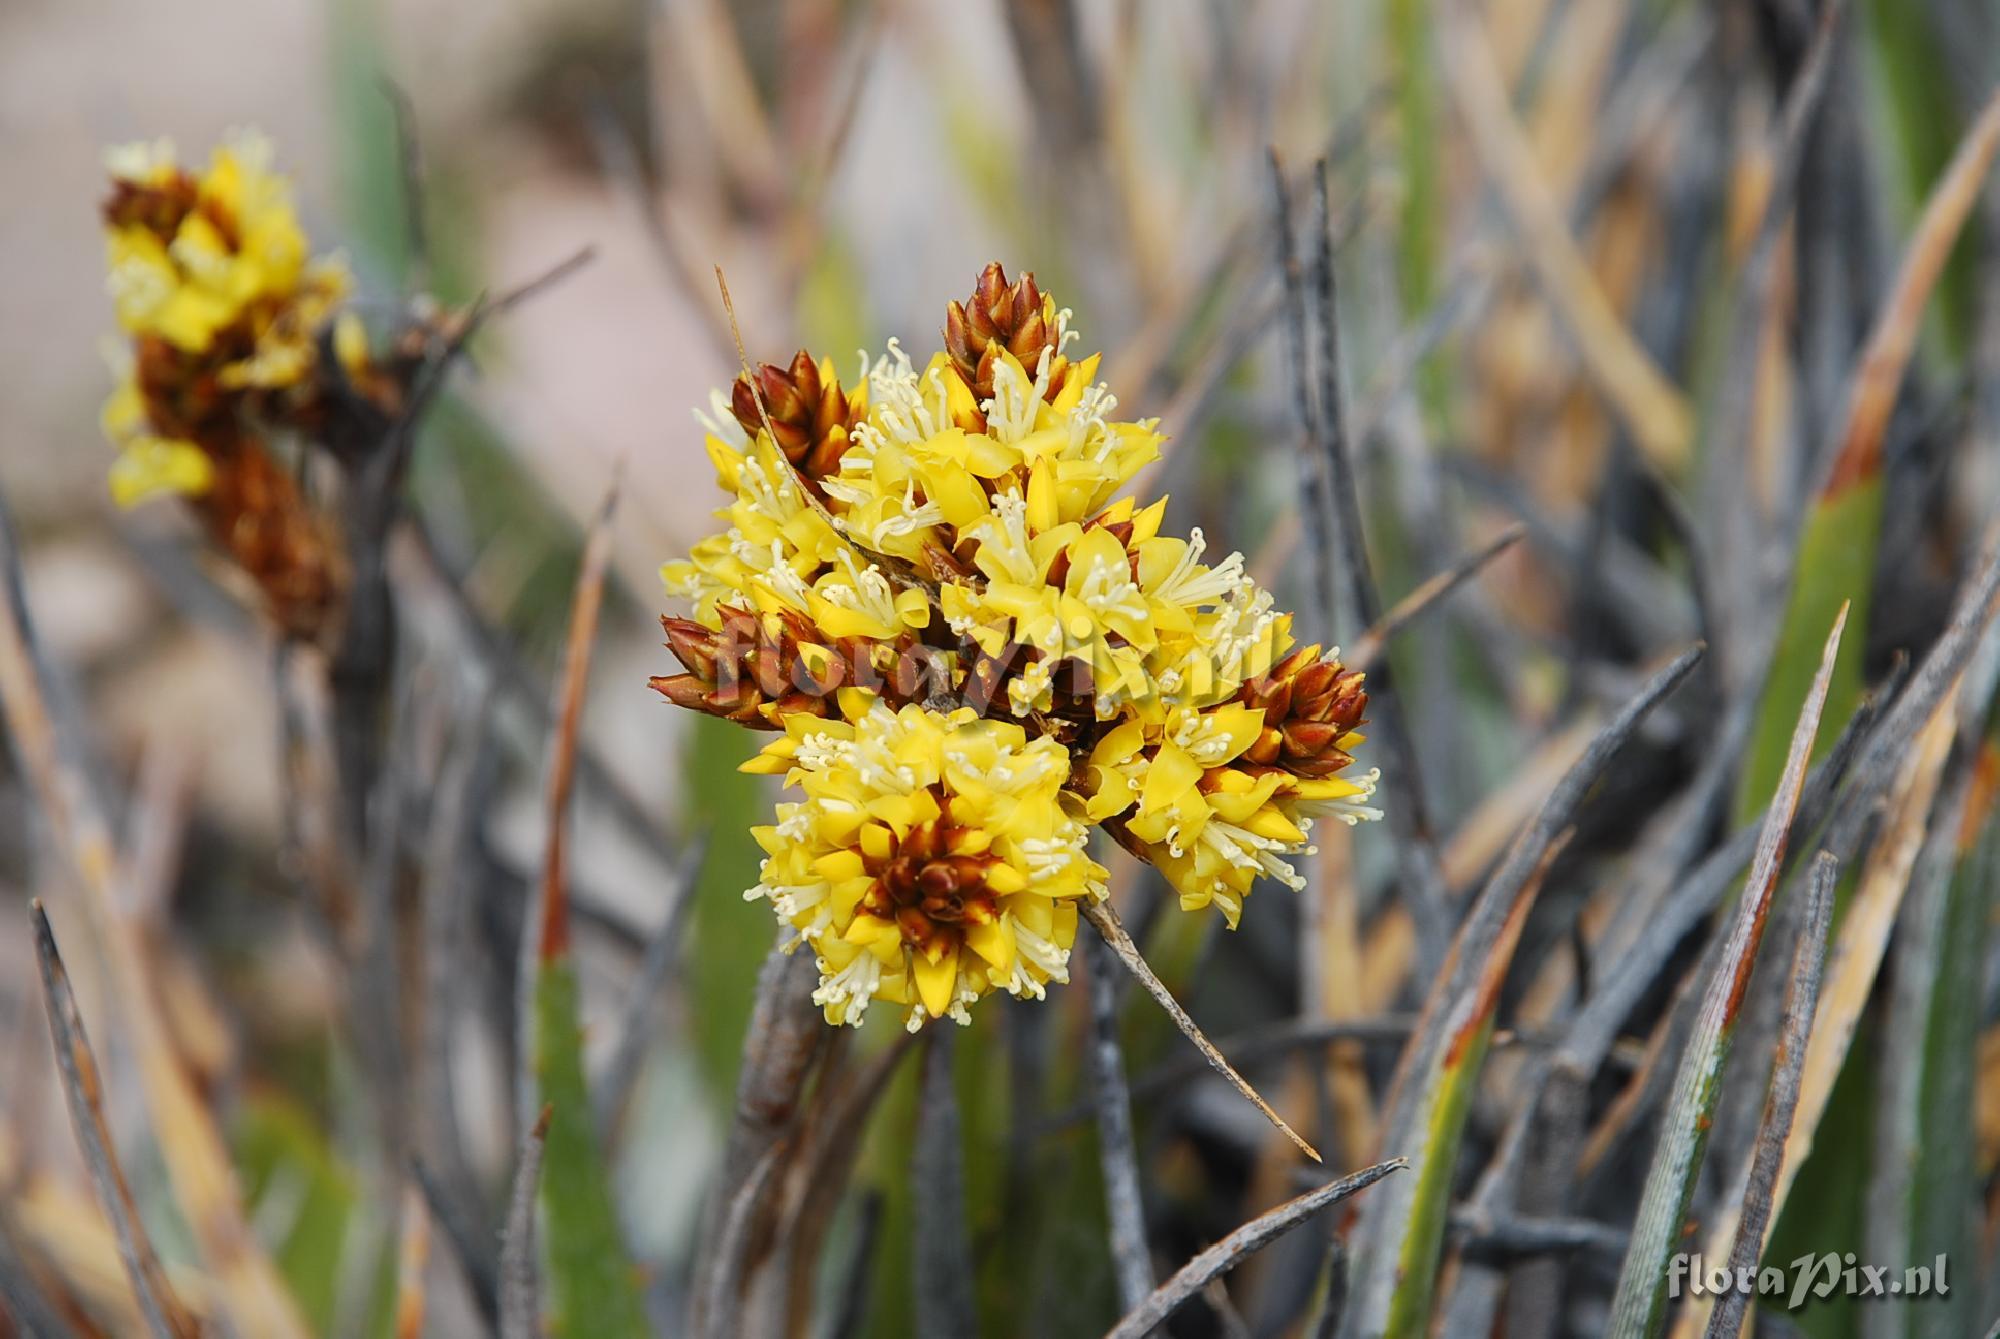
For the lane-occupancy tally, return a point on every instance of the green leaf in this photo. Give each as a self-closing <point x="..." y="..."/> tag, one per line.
<point x="286" y="1160"/>
<point x="1447" y="1099"/>
<point x="1927" y="1090"/>
<point x="1640" y="1302"/>
<point x="1836" y="566"/>
<point x="1826" y="1207"/>
<point x="1904" y="58"/>
<point x="367" y="152"/>
<point x="1456" y="1080"/>
<point x="593" y="1286"/>
<point x="730" y="936"/>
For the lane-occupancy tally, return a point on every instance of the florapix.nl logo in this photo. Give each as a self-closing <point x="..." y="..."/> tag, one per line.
<point x="1806" y="1278"/>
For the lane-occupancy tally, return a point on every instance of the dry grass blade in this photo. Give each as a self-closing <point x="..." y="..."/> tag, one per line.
<point x="1487" y="916"/>
<point x="786" y="1037"/>
<point x="413" y="1252"/>
<point x="1354" y="583"/>
<point x="1801" y="1002"/>
<point x="83" y="1090"/>
<point x="1368" y="647"/>
<point x="520" y="1291"/>
<point x="30" y="1300"/>
<point x="1872" y="395"/>
<point x="472" y="1243"/>
<point x="192" y="1146"/>
<point x="1130" y="1258"/>
<point x="1265" y="1043"/>
<point x="529" y="289"/>
<point x="742" y="355"/>
<point x="450" y="1182"/>
<point x="1350" y="548"/>
<point x="944" y="1285"/>
<point x="423" y="571"/>
<point x="1107" y="924"/>
<point x="546" y="936"/>
<point x="1253" y="1236"/>
<point x="821" y="1164"/>
<point x="1641" y="1298"/>
<point x="553" y="937"/>
<point x="719" y="1296"/>
<point x="1649" y="406"/>
<point x="593" y="1287"/>
<point x="1316" y="506"/>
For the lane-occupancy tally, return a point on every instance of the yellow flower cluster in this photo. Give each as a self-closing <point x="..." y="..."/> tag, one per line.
<point x="212" y="281"/>
<point x="976" y="649"/>
<point x="932" y="859"/>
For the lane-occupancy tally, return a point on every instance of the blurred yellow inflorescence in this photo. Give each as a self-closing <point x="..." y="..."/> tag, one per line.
<point x="976" y="650"/>
<point x="224" y="309"/>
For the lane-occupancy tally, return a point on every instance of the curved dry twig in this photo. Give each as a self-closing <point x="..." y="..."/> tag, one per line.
<point x="1107" y="924"/>
<point x="1245" y="1241"/>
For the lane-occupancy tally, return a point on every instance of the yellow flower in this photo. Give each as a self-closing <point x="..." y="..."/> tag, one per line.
<point x="932" y="860"/>
<point x="191" y="258"/>
<point x="968" y="514"/>
<point x="1153" y="625"/>
<point x="779" y="546"/>
<point x="1183" y="796"/>
<point x="150" y="466"/>
<point x="926" y="457"/>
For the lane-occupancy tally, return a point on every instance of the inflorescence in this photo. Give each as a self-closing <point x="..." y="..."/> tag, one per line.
<point x="976" y="651"/>
<point x="238" y="342"/>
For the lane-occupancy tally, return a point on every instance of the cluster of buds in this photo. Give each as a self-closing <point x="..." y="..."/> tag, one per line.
<point x="1310" y="705"/>
<point x="235" y="337"/>
<point x="975" y="651"/>
<point x="757" y="669"/>
<point x="1016" y="318"/>
<point x="808" y="413"/>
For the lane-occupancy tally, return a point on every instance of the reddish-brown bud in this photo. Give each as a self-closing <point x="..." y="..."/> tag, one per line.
<point x="158" y="207"/>
<point x="810" y="416"/>
<point x="1309" y="706"/>
<point x="1017" y="317"/>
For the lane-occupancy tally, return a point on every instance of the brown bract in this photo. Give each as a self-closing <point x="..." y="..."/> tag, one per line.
<point x="255" y="512"/>
<point x="932" y="883"/>
<point x="1309" y="706"/>
<point x="811" y="416"/>
<point x="757" y="668"/>
<point x="158" y="207"/>
<point x="1017" y="317"/>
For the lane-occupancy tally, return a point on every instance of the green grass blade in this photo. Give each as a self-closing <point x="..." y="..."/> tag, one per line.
<point x="1454" y="1080"/>
<point x="283" y="1154"/>
<point x="1928" y="1142"/>
<point x="730" y="936"/>
<point x="1640" y="1303"/>
<point x="593" y="1287"/>
<point x="1836" y="567"/>
<point x="1836" y="556"/>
